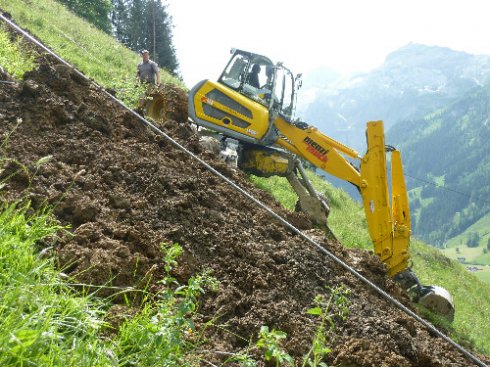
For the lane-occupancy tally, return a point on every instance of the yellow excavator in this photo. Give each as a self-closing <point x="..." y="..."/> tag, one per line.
<point x="250" y="108"/>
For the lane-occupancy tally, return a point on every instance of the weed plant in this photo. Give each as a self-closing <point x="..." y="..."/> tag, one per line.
<point x="329" y="307"/>
<point x="14" y="58"/>
<point x="328" y="310"/>
<point x="163" y="332"/>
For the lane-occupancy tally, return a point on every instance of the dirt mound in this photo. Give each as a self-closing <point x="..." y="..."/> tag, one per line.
<point x="125" y="190"/>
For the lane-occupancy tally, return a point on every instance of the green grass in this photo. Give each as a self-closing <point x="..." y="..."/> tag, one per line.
<point x="42" y="322"/>
<point x="14" y="58"/>
<point x="483" y="259"/>
<point x="471" y="294"/>
<point x="483" y="274"/>
<point x="471" y="255"/>
<point x="481" y="227"/>
<point x="457" y="247"/>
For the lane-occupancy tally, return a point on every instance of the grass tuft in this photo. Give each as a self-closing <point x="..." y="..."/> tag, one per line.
<point x="42" y="321"/>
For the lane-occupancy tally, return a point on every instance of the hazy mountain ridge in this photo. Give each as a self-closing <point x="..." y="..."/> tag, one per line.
<point x="413" y="81"/>
<point x="435" y="104"/>
<point x="448" y="148"/>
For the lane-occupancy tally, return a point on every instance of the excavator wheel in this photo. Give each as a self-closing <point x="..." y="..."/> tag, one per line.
<point x="432" y="297"/>
<point x="438" y="300"/>
<point x="166" y="102"/>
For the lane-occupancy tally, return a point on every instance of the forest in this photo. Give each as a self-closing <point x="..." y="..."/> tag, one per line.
<point x="447" y="165"/>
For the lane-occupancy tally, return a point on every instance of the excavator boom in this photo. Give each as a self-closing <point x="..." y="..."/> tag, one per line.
<point x="388" y="220"/>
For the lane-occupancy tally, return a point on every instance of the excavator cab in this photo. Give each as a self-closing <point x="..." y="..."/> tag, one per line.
<point x="259" y="79"/>
<point x="249" y="95"/>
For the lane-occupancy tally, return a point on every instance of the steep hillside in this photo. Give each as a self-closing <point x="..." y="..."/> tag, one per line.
<point x="447" y="160"/>
<point x="412" y="82"/>
<point x="124" y="190"/>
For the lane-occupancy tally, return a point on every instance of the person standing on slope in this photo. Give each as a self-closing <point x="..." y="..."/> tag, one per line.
<point x="147" y="70"/>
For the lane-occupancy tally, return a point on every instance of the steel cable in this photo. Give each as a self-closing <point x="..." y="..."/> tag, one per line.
<point x="319" y="247"/>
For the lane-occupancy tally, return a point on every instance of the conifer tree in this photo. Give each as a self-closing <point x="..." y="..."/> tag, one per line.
<point x="95" y="11"/>
<point x="139" y="24"/>
<point x="145" y="24"/>
<point x="119" y="19"/>
<point x="159" y="35"/>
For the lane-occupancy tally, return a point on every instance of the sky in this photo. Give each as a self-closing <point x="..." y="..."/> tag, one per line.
<point x="344" y="35"/>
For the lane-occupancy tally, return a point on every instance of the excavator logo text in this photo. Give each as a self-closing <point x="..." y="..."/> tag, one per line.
<point x="316" y="149"/>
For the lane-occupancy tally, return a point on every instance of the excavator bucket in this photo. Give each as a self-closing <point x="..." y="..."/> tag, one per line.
<point x="439" y="301"/>
<point x="165" y="102"/>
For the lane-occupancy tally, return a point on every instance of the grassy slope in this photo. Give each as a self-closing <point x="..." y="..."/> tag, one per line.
<point x="480" y="227"/>
<point x="110" y="64"/>
<point x="42" y="321"/>
<point x="471" y="295"/>
<point x="95" y="53"/>
<point x="456" y="246"/>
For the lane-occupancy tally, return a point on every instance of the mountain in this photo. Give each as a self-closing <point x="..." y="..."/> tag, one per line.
<point x="435" y="105"/>
<point x="447" y="161"/>
<point x="413" y="81"/>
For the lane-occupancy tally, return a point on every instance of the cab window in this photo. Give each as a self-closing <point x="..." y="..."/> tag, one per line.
<point x="283" y="92"/>
<point x="235" y="71"/>
<point x="259" y="78"/>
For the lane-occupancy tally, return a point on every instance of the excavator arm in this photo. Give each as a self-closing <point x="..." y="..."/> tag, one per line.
<point x="388" y="220"/>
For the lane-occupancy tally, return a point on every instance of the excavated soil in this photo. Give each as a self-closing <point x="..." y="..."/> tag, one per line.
<point x="124" y="190"/>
